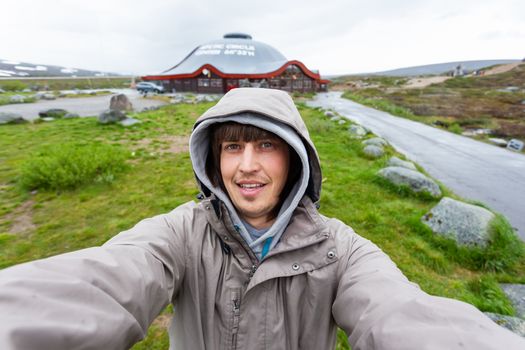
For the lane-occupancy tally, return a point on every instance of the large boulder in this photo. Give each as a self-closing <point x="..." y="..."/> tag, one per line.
<point x="49" y="97"/>
<point x="395" y="161"/>
<point x="120" y="102"/>
<point x="514" y="324"/>
<point x="357" y="131"/>
<point x="467" y="224"/>
<point x="111" y="116"/>
<point x="416" y="181"/>
<point x="56" y="113"/>
<point x="129" y="122"/>
<point x="11" y="118"/>
<point x="516" y="295"/>
<point x="375" y="141"/>
<point x="373" y="151"/>
<point x="17" y="99"/>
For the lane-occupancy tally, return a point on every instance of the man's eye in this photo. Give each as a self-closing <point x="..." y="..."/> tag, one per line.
<point x="266" y="144"/>
<point x="231" y="147"/>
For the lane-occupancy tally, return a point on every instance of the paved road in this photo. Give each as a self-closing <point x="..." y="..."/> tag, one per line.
<point x="472" y="169"/>
<point x="83" y="106"/>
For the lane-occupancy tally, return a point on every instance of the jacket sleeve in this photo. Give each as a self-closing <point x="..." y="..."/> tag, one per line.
<point x="379" y="308"/>
<point x="97" y="298"/>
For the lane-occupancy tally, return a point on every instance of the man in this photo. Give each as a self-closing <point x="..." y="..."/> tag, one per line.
<point x="252" y="266"/>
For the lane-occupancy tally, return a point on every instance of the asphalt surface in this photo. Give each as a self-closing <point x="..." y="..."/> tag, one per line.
<point x="83" y="106"/>
<point x="472" y="169"/>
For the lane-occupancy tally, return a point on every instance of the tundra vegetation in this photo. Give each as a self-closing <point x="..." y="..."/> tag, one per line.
<point x="127" y="174"/>
<point x="495" y="102"/>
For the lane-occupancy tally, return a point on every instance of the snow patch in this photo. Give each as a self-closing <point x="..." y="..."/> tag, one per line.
<point x="68" y="70"/>
<point x="41" y="68"/>
<point x="11" y="62"/>
<point x="7" y="71"/>
<point x="25" y="68"/>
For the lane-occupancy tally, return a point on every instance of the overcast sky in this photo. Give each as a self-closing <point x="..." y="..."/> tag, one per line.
<point x="340" y="36"/>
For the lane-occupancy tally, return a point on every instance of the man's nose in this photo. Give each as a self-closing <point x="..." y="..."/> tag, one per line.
<point x="249" y="162"/>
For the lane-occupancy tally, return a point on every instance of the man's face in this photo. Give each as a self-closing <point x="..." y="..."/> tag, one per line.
<point x="254" y="174"/>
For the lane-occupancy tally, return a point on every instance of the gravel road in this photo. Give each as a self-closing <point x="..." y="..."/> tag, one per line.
<point x="472" y="169"/>
<point x="83" y="106"/>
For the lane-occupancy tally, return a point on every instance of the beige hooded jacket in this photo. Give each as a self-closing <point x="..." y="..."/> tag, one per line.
<point x="319" y="276"/>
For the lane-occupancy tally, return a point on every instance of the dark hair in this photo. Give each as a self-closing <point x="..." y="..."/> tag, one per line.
<point x="232" y="131"/>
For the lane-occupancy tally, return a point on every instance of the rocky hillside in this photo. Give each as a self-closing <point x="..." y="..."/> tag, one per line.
<point x="15" y="69"/>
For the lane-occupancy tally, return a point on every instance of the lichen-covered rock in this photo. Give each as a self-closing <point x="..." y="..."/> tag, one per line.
<point x="17" y="99"/>
<point x="357" y="131"/>
<point x="129" y="122"/>
<point x="56" y="113"/>
<point x="111" y="116"/>
<point x="395" y="161"/>
<point x="516" y="295"/>
<point x="120" y="102"/>
<point x="514" y="324"/>
<point x="416" y="181"/>
<point x="11" y="118"/>
<point x="373" y="151"/>
<point x="375" y="141"/>
<point x="467" y="224"/>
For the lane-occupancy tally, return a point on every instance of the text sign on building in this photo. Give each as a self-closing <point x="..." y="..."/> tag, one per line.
<point x="226" y="49"/>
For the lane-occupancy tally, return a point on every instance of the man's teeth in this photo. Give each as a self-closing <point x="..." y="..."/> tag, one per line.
<point x="251" y="185"/>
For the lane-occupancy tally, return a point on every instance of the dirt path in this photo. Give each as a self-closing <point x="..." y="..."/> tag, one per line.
<point x="415" y="83"/>
<point x="502" y="69"/>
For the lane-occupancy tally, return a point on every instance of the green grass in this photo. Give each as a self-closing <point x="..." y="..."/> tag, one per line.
<point x="53" y="84"/>
<point x="70" y="165"/>
<point x="5" y="98"/>
<point x="159" y="177"/>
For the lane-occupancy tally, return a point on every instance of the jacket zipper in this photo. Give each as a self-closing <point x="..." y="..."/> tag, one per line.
<point x="236" y="315"/>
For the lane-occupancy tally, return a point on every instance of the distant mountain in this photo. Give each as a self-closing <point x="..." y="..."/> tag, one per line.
<point x="17" y="69"/>
<point x="441" y="68"/>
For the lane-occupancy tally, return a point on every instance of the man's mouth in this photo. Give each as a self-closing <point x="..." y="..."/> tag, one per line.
<point x="250" y="185"/>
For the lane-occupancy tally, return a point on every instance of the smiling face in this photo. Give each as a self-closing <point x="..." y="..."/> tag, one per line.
<point x="254" y="174"/>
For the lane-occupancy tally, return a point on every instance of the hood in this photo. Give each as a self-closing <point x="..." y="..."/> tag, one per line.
<point x="274" y="111"/>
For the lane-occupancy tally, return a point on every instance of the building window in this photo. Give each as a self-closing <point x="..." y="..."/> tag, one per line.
<point x="216" y="83"/>
<point x="203" y="82"/>
<point x="297" y="84"/>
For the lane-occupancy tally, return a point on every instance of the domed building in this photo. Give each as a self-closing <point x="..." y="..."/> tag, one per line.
<point x="238" y="61"/>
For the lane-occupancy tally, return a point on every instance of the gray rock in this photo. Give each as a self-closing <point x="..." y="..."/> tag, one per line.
<point x="17" y="99"/>
<point x="56" y="113"/>
<point x="514" y="324"/>
<point x="523" y="102"/>
<point x="335" y="118"/>
<point x="39" y="95"/>
<point x="120" y="102"/>
<point x="111" y="116"/>
<point x="376" y="141"/>
<point x="129" y="122"/>
<point x="48" y="119"/>
<point x="357" y="131"/>
<point x="329" y="114"/>
<point x="341" y="122"/>
<point x="11" y="118"/>
<point x="498" y="142"/>
<point x="70" y="115"/>
<point x="26" y="90"/>
<point x="3" y="91"/>
<point x="48" y="97"/>
<point x="416" y="181"/>
<point x="373" y="151"/>
<point x="467" y="224"/>
<point x="395" y="161"/>
<point x="516" y="295"/>
<point x="515" y="145"/>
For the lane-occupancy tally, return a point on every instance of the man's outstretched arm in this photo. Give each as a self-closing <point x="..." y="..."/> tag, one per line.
<point x="379" y="308"/>
<point x="97" y="298"/>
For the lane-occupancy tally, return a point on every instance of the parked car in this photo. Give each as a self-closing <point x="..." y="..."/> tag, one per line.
<point x="145" y="87"/>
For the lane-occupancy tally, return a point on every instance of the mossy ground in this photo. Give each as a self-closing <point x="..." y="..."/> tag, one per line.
<point x="159" y="178"/>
